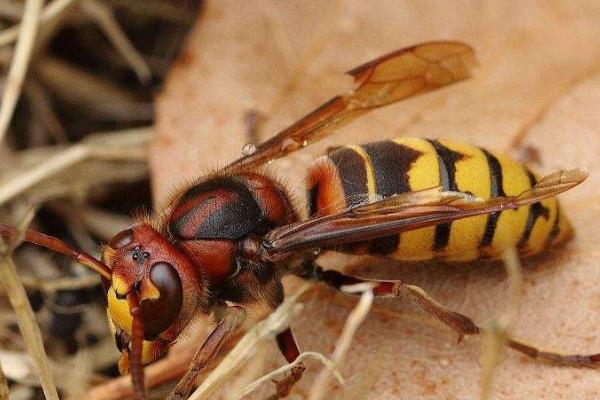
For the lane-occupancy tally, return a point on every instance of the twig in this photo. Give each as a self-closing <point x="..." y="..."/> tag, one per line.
<point x="11" y="10"/>
<point x="246" y="348"/>
<point x="26" y="319"/>
<point x="53" y="285"/>
<point x="74" y="155"/>
<point x="495" y="336"/>
<point x="93" y="95"/>
<point x="91" y="90"/>
<point x="9" y="35"/>
<point x="355" y="319"/>
<point x="106" y="20"/>
<point x="20" y="63"/>
<point x="42" y="110"/>
<point x="251" y="387"/>
<point x="515" y="286"/>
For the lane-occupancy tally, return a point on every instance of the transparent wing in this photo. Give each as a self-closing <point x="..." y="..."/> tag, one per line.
<point x="393" y="77"/>
<point x="404" y="212"/>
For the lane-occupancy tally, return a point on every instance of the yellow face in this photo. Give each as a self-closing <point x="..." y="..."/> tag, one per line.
<point x="118" y="311"/>
<point x="120" y="321"/>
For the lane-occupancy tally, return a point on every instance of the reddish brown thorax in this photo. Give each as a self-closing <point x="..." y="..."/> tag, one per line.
<point x="212" y="220"/>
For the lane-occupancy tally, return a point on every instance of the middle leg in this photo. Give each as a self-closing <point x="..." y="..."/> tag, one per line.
<point x="233" y="318"/>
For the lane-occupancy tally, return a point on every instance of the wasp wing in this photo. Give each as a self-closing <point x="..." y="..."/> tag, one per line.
<point x="404" y="212"/>
<point x="385" y="80"/>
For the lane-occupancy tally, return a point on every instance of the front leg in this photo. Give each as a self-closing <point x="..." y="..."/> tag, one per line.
<point x="233" y="318"/>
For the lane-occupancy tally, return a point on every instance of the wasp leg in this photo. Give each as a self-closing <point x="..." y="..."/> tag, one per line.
<point x="233" y="317"/>
<point x="289" y="349"/>
<point x="462" y="324"/>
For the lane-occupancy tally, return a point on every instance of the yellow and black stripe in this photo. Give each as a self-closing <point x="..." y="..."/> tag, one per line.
<point x="354" y="174"/>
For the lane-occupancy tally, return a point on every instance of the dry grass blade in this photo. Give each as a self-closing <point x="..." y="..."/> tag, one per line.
<point x="515" y="284"/>
<point x="492" y="348"/>
<point x="92" y="94"/>
<point x="50" y="286"/>
<point x="26" y="319"/>
<point x="110" y="147"/>
<point x="247" y="347"/>
<point x="11" y="34"/>
<point x="44" y="170"/>
<point x="41" y="105"/>
<point x="20" y="63"/>
<point x="106" y="21"/>
<point x="355" y="319"/>
<point x="251" y="387"/>
<point x="496" y="334"/>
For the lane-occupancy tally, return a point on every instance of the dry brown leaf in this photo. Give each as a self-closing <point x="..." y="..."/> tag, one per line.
<point x="539" y="74"/>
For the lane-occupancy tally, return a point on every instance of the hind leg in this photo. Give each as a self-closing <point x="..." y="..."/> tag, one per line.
<point x="289" y="349"/>
<point x="461" y="324"/>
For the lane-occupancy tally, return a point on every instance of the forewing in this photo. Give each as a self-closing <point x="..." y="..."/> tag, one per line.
<point x="393" y="77"/>
<point x="404" y="212"/>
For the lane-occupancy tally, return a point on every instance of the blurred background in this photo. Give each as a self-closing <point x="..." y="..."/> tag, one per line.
<point x="123" y="100"/>
<point x="76" y="147"/>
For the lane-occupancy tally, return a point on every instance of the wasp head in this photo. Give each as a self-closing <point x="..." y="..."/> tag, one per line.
<point x="163" y="280"/>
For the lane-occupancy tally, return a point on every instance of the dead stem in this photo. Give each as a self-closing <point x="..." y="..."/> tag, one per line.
<point x="25" y="318"/>
<point x="515" y="286"/>
<point x="20" y="63"/>
<point x="50" y="286"/>
<point x="103" y="15"/>
<point x="251" y="387"/>
<point x="496" y="334"/>
<point x="355" y="319"/>
<point x="9" y="35"/>
<point x="43" y="111"/>
<point x="247" y="347"/>
<point x="92" y="94"/>
<point x="109" y="148"/>
<point x="11" y="10"/>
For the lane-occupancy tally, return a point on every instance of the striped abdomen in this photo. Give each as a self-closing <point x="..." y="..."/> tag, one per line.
<point x="351" y="175"/>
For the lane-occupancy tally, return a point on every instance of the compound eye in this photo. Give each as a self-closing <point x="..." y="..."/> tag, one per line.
<point x="158" y="314"/>
<point x="121" y="239"/>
